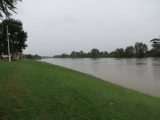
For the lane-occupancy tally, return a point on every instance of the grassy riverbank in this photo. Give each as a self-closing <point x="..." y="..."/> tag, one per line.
<point x="31" y="90"/>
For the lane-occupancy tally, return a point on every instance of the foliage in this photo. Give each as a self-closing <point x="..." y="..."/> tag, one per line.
<point x="156" y="47"/>
<point x="17" y="37"/>
<point x="95" y="53"/>
<point x="129" y="52"/>
<point x="30" y="56"/>
<point x="119" y="53"/>
<point x="140" y="49"/>
<point x="7" y="7"/>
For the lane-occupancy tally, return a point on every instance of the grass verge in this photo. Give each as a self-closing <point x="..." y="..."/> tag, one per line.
<point x="31" y="90"/>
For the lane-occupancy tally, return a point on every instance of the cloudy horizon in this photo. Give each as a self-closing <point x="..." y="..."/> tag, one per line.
<point x="61" y="26"/>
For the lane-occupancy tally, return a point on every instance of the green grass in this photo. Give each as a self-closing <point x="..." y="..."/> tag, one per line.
<point x="31" y="90"/>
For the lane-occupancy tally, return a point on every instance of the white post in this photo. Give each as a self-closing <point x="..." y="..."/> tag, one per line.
<point x="22" y="55"/>
<point x="9" y="54"/>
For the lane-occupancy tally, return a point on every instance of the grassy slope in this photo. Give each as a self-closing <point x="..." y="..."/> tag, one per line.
<point x="31" y="90"/>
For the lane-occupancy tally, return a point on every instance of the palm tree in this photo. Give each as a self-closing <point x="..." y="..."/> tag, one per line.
<point x="7" y="7"/>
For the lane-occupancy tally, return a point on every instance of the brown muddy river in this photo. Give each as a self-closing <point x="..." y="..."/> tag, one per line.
<point x="138" y="74"/>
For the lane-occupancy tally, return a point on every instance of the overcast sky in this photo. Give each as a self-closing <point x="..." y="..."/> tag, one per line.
<point x="61" y="26"/>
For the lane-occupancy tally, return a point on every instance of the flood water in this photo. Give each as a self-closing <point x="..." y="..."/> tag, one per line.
<point x="138" y="74"/>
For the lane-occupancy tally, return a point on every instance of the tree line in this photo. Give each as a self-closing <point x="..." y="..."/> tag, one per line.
<point x="139" y="50"/>
<point x="30" y="56"/>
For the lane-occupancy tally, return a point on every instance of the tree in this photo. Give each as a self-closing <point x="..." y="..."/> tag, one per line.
<point x="119" y="52"/>
<point x="129" y="52"/>
<point x="7" y="7"/>
<point x="17" y="37"/>
<point x="156" y="47"/>
<point x="82" y="54"/>
<point x="73" y="54"/>
<point x="95" y="53"/>
<point x="140" y="49"/>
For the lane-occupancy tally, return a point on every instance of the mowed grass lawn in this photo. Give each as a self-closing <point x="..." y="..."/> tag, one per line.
<point x="31" y="90"/>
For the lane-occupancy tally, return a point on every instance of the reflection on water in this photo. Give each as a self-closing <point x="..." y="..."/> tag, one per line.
<point x="139" y="74"/>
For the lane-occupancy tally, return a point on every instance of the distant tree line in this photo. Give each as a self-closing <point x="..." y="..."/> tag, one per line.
<point x="30" y="56"/>
<point x="139" y="50"/>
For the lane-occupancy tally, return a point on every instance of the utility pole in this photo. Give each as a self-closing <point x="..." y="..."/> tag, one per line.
<point x="22" y="55"/>
<point x="9" y="53"/>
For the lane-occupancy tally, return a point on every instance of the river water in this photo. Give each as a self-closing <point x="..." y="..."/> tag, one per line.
<point x="138" y="74"/>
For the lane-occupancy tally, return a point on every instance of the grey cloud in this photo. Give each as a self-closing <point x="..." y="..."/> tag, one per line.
<point x="63" y="20"/>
